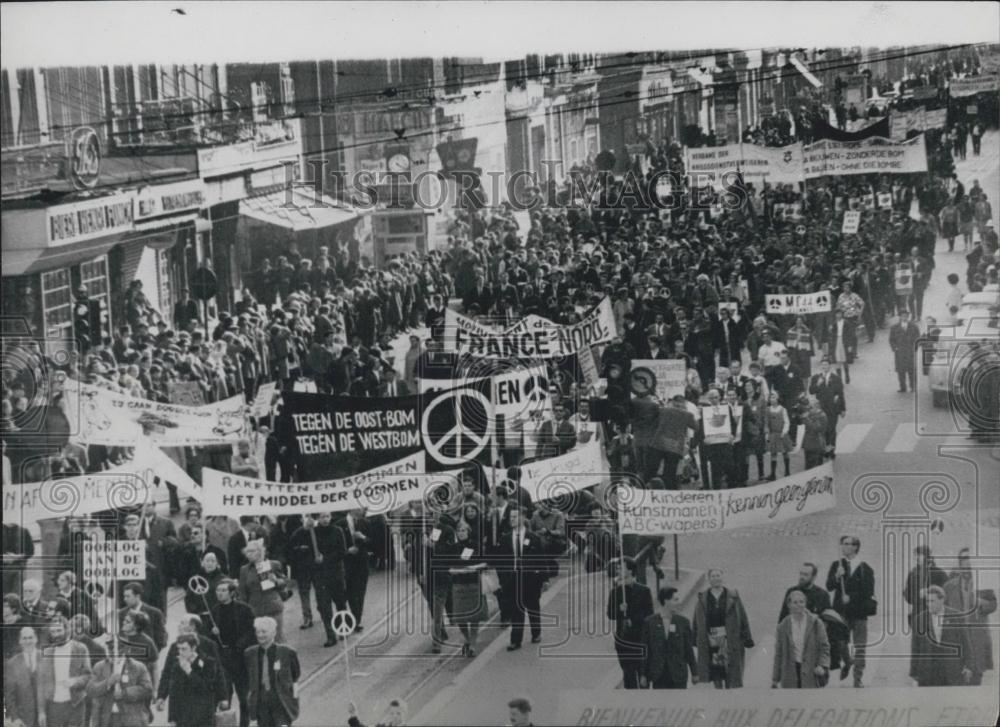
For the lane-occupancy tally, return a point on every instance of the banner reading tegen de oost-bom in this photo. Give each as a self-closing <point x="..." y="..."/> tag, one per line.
<point x="677" y="512"/>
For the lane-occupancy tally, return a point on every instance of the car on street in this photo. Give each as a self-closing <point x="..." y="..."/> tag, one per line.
<point x="953" y="345"/>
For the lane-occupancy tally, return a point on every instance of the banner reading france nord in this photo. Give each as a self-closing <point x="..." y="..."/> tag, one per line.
<point x="537" y="338"/>
<point x="674" y="512"/>
<point x="874" y="155"/>
<point x="378" y="490"/>
<point x="759" y="164"/>
<point x="100" y="416"/>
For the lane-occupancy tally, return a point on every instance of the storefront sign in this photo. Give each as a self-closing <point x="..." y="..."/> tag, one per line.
<point x="84" y="157"/>
<point x="90" y="218"/>
<point x="970" y="86"/>
<point x="663" y="512"/>
<point x="875" y="155"/>
<point x="170" y="199"/>
<point x="247" y="155"/>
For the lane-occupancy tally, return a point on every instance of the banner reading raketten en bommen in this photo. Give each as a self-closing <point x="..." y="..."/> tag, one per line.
<point x="544" y="340"/>
<point x="675" y="512"/>
<point x="378" y="490"/>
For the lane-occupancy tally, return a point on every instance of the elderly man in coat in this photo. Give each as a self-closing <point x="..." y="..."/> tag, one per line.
<point x="962" y="597"/>
<point x="903" y="337"/>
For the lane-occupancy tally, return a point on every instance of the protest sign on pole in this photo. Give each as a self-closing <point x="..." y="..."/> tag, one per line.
<point x="798" y="303"/>
<point x="114" y="560"/>
<point x="668" y="376"/>
<point x="662" y="512"/>
<point x="263" y="401"/>
<point x="903" y="279"/>
<point x="543" y="479"/>
<point x="717" y="424"/>
<point x="885" y="200"/>
<point x="852" y="221"/>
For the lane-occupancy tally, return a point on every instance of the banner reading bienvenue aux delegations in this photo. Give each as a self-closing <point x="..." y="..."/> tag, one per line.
<point x="379" y="490"/>
<point x="673" y="512"/>
<point x="759" y="164"/>
<point x="537" y="338"/>
<point x="874" y="155"/>
<point x="798" y="303"/>
<point x="100" y="416"/>
<point x="125" y="485"/>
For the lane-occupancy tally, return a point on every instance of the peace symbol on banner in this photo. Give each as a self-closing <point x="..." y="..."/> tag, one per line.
<point x="461" y="427"/>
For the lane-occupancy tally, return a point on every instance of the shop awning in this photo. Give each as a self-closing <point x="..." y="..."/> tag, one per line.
<point x="28" y="261"/>
<point x="805" y="71"/>
<point x="297" y="210"/>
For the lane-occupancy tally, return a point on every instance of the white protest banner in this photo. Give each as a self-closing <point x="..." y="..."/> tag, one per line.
<point x="798" y="303"/>
<point x="544" y="479"/>
<point x="935" y="119"/>
<point x="902" y="706"/>
<point x="100" y="416"/>
<point x="838" y="158"/>
<point x="663" y="512"/>
<point x="114" y="560"/>
<point x="264" y="400"/>
<point x="902" y="122"/>
<point x="379" y="490"/>
<point x="670" y="375"/>
<point x="717" y="424"/>
<point x="535" y="339"/>
<point x="454" y="320"/>
<point x="516" y="394"/>
<point x="903" y="279"/>
<point x="588" y="366"/>
<point x="852" y="221"/>
<point x="759" y="164"/>
<point x="126" y="485"/>
<point x="959" y="87"/>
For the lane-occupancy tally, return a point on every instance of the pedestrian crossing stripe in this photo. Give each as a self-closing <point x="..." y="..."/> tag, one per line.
<point x="904" y="439"/>
<point x="851" y="436"/>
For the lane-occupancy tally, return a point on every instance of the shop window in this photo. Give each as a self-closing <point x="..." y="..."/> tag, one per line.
<point x="57" y="302"/>
<point x="94" y="277"/>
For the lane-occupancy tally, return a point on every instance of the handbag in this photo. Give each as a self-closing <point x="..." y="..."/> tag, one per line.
<point x="225" y="718"/>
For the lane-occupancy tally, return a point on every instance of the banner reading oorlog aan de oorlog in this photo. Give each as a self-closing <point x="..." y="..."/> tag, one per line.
<point x="674" y="512"/>
<point x="537" y="339"/>
<point x="875" y="155"/>
<point x="378" y="490"/>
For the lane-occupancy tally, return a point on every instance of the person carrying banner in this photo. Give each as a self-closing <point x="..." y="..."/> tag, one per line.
<point x="354" y="527"/>
<point x="630" y="604"/>
<point x="320" y="549"/>
<point x="851" y="582"/>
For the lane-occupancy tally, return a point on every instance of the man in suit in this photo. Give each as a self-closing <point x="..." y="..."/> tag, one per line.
<point x="391" y="385"/>
<point x="325" y="550"/>
<point x="195" y="686"/>
<point x="272" y="671"/>
<point x="903" y="337"/>
<point x="669" y="645"/>
<point x="727" y="338"/>
<point x="120" y="691"/>
<point x="20" y="681"/>
<point x="62" y="676"/>
<point x="521" y="570"/>
<point x="233" y="630"/>
<point x="34" y="611"/>
<point x="480" y="297"/>
<point x="817" y="599"/>
<point x="827" y="387"/>
<point x="79" y="602"/>
<point x="941" y="647"/>
<point x="556" y="436"/>
<point x="851" y="581"/>
<point x="134" y="604"/>
<point x="629" y="605"/>
<point x="249" y="530"/>
<point x="786" y="380"/>
<point x="156" y="556"/>
<point x="207" y="648"/>
<point x="355" y="530"/>
<point x="656" y="349"/>
<point x="961" y="596"/>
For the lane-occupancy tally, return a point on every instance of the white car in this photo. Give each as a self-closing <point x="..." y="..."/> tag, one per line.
<point x="952" y="347"/>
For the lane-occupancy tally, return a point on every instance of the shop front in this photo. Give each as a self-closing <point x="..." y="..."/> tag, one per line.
<point x="51" y="251"/>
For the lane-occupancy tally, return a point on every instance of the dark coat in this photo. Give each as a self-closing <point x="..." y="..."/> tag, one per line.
<point x="817" y="600"/>
<point x="903" y="342"/>
<point x="738" y="637"/>
<point x="668" y="651"/>
<point x="939" y="663"/>
<point x="157" y="623"/>
<point x="195" y="696"/>
<point x="815" y="652"/>
<point x="208" y="650"/>
<point x="629" y="626"/>
<point x="284" y="678"/>
<point x="21" y="697"/>
<point x="859" y="586"/>
<point x="830" y="394"/>
<point x="986" y="603"/>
